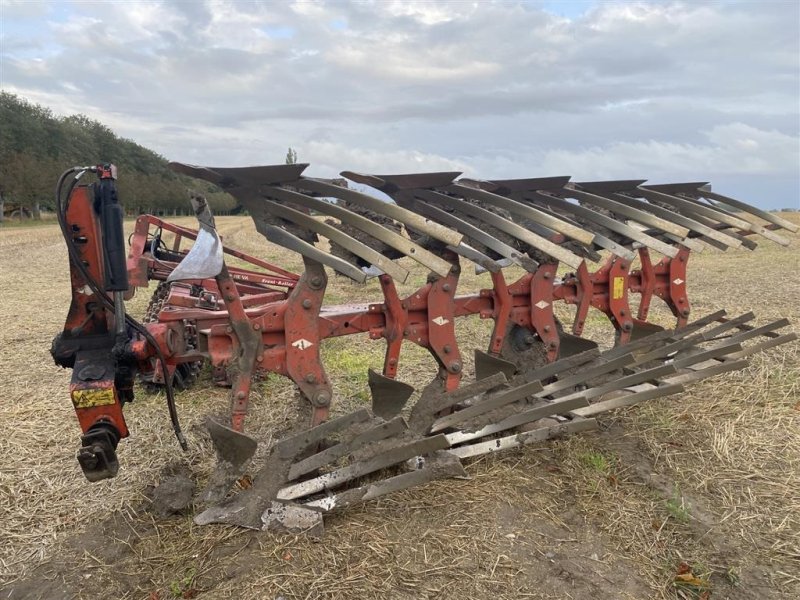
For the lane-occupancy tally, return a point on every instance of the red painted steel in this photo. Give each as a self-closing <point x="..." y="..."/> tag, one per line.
<point x="288" y="328"/>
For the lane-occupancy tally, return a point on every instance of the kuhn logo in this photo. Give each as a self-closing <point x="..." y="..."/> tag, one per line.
<point x="440" y="321"/>
<point x="302" y="344"/>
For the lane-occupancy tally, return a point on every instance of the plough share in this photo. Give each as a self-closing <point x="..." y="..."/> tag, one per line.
<point x="534" y="381"/>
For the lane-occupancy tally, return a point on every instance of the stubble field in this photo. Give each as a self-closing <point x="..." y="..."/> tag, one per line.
<point x="707" y="481"/>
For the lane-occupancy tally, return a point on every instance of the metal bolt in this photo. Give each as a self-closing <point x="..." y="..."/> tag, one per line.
<point x="311" y="378"/>
<point x="240" y="395"/>
<point x="260" y="357"/>
<point x="321" y="398"/>
<point x="256" y="326"/>
<point x="547" y="328"/>
<point x="229" y="330"/>
<point x="552" y="345"/>
<point x="627" y="326"/>
<point x="316" y="282"/>
<point x="546" y="275"/>
<point x="447" y="349"/>
<point x="306" y="303"/>
<point x="229" y="298"/>
<point x="622" y="313"/>
<point x="406" y="332"/>
<point x="455" y="367"/>
<point x="392" y="361"/>
<point x="446" y="287"/>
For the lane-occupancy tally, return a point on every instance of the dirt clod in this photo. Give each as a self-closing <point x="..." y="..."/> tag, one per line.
<point x="173" y="495"/>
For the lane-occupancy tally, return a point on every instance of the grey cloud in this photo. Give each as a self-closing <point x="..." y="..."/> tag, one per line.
<point x="503" y="88"/>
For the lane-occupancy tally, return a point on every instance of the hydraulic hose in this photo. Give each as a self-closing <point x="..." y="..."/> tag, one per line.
<point x="100" y="292"/>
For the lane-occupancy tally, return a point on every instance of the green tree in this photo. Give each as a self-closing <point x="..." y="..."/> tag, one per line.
<point x="36" y="146"/>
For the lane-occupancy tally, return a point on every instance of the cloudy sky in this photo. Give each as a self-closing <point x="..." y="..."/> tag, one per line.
<point x="613" y="89"/>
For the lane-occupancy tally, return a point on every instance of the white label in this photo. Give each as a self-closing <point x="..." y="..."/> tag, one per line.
<point x="440" y="321"/>
<point x="541" y="304"/>
<point x="302" y="344"/>
<point x="677" y="281"/>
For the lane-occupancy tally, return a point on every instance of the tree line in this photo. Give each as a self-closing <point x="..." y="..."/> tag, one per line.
<point x="36" y="147"/>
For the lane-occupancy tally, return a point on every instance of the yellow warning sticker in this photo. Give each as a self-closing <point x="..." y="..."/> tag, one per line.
<point x="619" y="288"/>
<point x="92" y="397"/>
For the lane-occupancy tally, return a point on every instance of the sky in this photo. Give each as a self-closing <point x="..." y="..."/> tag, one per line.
<point x="664" y="91"/>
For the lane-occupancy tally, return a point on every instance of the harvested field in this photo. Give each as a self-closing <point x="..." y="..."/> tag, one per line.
<point x="704" y="486"/>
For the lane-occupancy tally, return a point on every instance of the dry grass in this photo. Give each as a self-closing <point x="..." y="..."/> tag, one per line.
<point x="709" y="478"/>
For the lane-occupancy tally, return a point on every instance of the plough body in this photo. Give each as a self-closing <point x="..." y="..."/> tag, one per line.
<point x="533" y="381"/>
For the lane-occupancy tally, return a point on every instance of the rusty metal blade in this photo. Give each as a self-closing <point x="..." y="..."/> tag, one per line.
<point x="640" y="216"/>
<point x="629" y="400"/>
<point x="262" y="175"/>
<point x="704" y="372"/>
<point x="375" y="434"/>
<point x="468" y="392"/>
<point x="424" y="257"/>
<point x="571" y="345"/>
<point x="359" y="469"/>
<point x="752" y="225"/>
<point x="482" y="262"/>
<point x="196" y="171"/>
<point x="487" y="404"/>
<point x="487" y="365"/>
<point x="600" y="240"/>
<point x="720" y="350"/>
<point x="525" y="211"/>
<point x="509" y="227"/>
<point x="530" y="437"/>
<point x="557" y="407"/>
<point x="765" y="345"/>
<point x="603" y="188"/>
<point x="564" y="364"/>
<point x="691" y="209"/>
<point x="475" y="233"/>
<point x="690" y="243"/>
<point x="394" y="183"/>
<point x="393" y="211"/>
<point x="234" y="450"/>
<point x="642" y="329"/>
<point x="755" y="226"/>
<point x="691" y="224"/>
<point x="586" y="374"/>
<point x="753" y="210"/>
<point x="293" y="445"/>
<point x="631" y="233"/>
<point x="389" y="396"/>
<point x="511" y="186"/>
<point x="434" y="469"/>
<point x="283" y="238"/>
<point x="626" y="381"/>
<point x="345" y="241"/>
